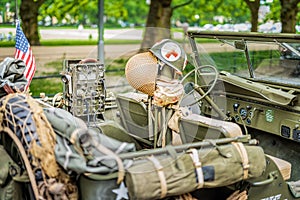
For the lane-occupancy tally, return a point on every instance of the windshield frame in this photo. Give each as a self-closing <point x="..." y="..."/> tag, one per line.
<point x="240" y="42"/>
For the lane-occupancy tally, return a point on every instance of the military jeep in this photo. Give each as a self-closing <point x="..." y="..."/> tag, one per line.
<point x="245" y="79"/>
<point x="215" y="117"/>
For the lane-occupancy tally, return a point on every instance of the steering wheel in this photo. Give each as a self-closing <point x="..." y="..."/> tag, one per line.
<point x="195" y="89"/>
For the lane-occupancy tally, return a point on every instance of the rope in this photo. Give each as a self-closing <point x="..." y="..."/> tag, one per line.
<point x="23" y="119"/>
<point x="237" y="195"/>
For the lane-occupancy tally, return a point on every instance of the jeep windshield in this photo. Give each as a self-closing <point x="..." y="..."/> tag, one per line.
<point x="270" y="58"/>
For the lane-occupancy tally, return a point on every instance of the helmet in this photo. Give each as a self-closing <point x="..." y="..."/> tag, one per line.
<point x="141" y="72"/>
<point x="171" y="53"/>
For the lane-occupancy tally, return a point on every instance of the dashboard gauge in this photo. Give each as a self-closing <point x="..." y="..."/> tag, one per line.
<point x="243" y="113"/>
<point x="235" y="107"/>
<point x="248" y="121"/>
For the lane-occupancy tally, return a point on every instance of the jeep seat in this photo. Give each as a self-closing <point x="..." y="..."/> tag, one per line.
<point x="134" y="114"/>
<point x="196" y="127"/>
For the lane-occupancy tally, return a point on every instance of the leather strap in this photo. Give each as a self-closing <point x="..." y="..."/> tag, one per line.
<point x="8" y="89"/>
<point x="161" y="175"/>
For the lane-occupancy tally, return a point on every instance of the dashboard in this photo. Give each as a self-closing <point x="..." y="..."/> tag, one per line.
<point x="256" y="105"/>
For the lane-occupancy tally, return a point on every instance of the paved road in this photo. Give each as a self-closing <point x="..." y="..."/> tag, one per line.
<point x="47" y="54"/>
<point x="124" y="33"/>
<point x="44" y="55"/>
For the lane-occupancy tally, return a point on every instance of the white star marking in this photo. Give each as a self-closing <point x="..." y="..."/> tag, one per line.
<point x="121" y="192"/>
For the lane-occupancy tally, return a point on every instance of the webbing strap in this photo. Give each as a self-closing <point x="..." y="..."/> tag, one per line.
<point x="244" y="156"/>
<point x="164" y="127"/>
<point x="161" y="175"/>
<point x="198" y="166"/>
<point x="105" y="150"/>
<point x="68" y="154"/>
<point x="75" y="135"/>
<point x="150" y="120"/>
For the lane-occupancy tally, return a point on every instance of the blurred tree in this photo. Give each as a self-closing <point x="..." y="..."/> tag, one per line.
<point x="274" y="13"/>
<point x="254" y="8"/>
<point x="161" y="14"/>
<point x="288" y="15"/>
<point x="158" y="23"/>
<point x="137" y="12"/>
<point x="286" y="12"/>
<point x="228" y="11"/>
<point x="69" y="11"/>
<point x="85" y="12"/>
<point x="234" y="11"/>
<point x="29" y="10"/>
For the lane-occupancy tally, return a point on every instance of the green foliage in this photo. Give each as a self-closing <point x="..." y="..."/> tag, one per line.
<point x="86" y="12"/>
<point x="135" y="12"/>
<point x="69" y="11"/>
<point x="234" y="11"/>
<point x="274" y="15"/>
<point x="7" y="43"/>
<point x="275" y="11"/>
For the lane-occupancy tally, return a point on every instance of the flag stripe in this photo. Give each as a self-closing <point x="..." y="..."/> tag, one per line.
<point x="24" y="52"/>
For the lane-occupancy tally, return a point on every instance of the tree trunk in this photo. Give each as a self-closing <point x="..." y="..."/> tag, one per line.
<point x="254" y="8"/>
<point x="288" y="14"/>
<point x="29" y="17"/>
<point x="158" y="23"/>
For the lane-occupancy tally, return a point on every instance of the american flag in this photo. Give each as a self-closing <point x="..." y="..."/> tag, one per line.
<point x="24" y="52"/>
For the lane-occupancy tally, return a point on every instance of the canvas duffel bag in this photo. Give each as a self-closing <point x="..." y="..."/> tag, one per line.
<point x="156" y="177"/>
<point x="10" y="178"/>
<point x="83" y="149"/>
<point x="12" y="76"/>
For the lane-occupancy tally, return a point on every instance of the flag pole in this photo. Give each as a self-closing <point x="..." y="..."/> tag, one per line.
<point x="24" y="52"/>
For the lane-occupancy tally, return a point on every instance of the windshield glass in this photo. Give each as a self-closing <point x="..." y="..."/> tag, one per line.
<point x="272" y="61"/>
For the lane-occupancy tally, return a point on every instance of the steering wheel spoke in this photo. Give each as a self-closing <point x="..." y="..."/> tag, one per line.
<point x="201" y="77"/>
